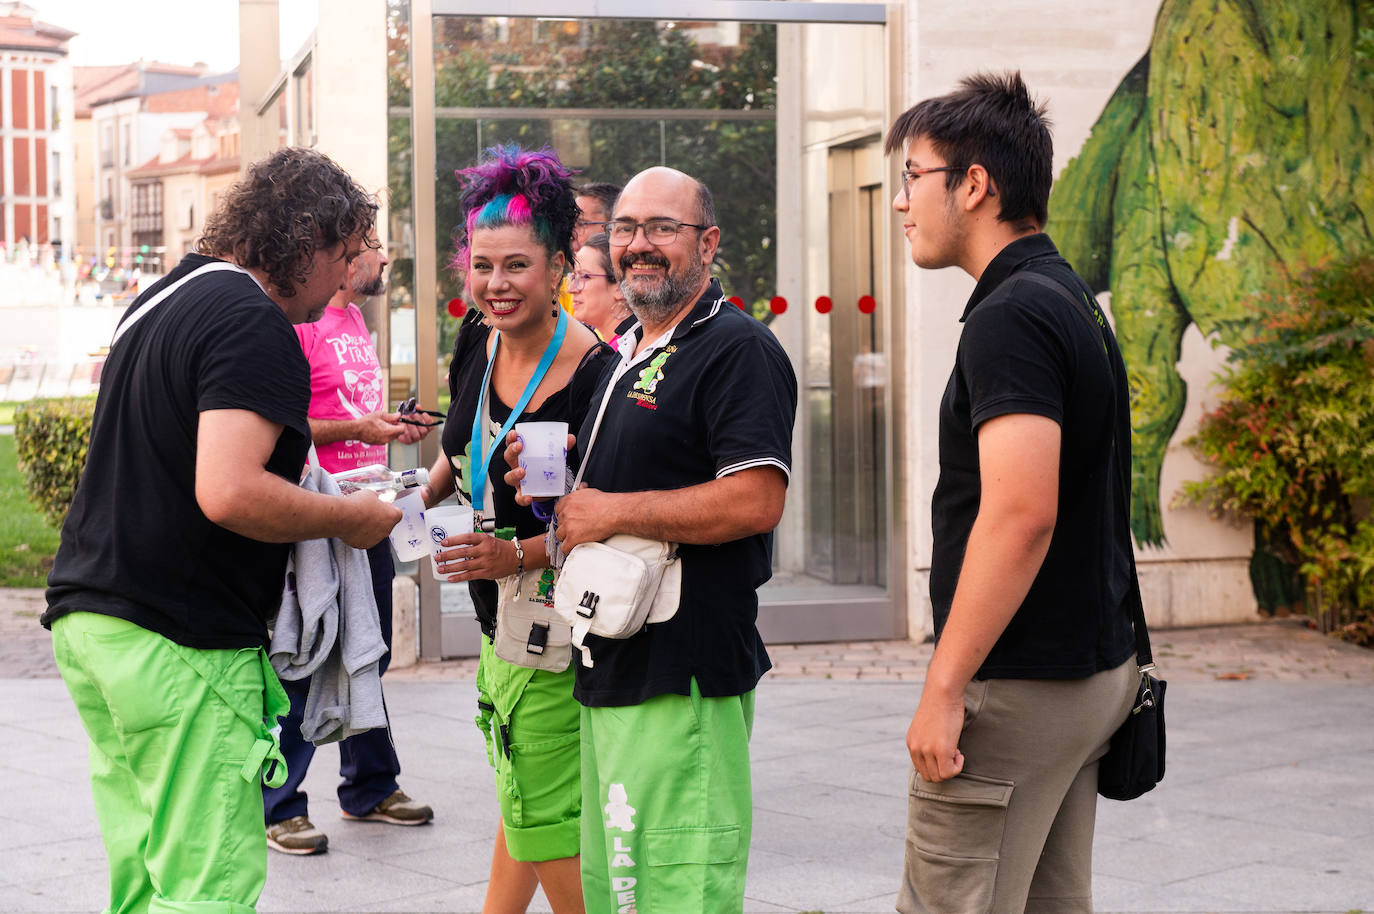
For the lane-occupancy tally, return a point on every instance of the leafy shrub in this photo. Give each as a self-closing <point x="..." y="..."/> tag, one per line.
<point x="1291" y="438"/>
<point x="51" y="437"/>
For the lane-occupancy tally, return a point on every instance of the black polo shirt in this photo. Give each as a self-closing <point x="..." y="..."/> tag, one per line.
<point x="135" y="543"/>
<point x="719" y="397"/>
<point x="1025" y="349"/>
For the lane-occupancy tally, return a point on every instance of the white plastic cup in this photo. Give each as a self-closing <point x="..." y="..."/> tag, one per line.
<point x="441" y="523"/>
<point x="544" y="457"/>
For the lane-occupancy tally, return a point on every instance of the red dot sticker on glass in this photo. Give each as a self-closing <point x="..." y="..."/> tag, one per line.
<point x="867" y="304"/>
<point x="824" y="304"/>
<point x="456" y="308"/>
<point x="736" y="301"/>
<point x="777" y="304"/>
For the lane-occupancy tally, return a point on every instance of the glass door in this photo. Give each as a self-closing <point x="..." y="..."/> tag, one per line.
<point x="723" y="99"/>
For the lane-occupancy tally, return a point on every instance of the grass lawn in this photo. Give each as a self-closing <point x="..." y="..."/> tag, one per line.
<point x="26" y="538"/>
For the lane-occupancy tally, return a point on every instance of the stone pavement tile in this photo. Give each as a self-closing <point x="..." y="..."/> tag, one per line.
<point x="1210" y="847"/>
<point x="762" y="860"/>
<point x="825" y="884"/>
<point x="1154" y="815"/>
<point x="76" y="856"/>
<point x="338" y="881"/>
<point x="885" y="903"/>
<point x="460" y="862"/>
<point x="1324" y="816"/>
<point x="56" y="894"/>
<point x="754" y="906"/>
<point x="1270" y="887"/>
<point x="1112" y="895"/>
<point x="448" y="901"/>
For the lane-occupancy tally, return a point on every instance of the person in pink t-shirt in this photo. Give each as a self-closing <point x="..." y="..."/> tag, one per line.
<point x="351" y="428"/>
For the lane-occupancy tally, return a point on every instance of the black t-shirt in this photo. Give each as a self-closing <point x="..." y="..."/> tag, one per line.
<point x="719" y="398"/>
<point x="568" y="404"/>
<point x="1024" y="349"/>
<point x="135" y="544"/>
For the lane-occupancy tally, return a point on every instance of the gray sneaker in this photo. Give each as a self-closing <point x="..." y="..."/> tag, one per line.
<point x="296" y="836"/>
<point x="397" y="809"/>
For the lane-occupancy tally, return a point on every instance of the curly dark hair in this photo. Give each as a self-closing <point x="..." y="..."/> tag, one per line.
<point x="291" y="204"/>
<point x="514" y="186"/>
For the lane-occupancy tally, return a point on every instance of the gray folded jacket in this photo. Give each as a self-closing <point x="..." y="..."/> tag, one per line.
<point x="327" y="629"/>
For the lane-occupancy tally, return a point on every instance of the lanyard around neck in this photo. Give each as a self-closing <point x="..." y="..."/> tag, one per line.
<point x="482" y="457"/>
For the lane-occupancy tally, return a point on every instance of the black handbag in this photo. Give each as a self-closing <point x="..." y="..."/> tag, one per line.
<point x="1134" y="762"/>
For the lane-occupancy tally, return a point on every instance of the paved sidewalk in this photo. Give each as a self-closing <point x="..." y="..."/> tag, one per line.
<point x="1267" y="806"/>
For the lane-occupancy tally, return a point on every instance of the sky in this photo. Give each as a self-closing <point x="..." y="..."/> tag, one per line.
<point x="171" y="31"/>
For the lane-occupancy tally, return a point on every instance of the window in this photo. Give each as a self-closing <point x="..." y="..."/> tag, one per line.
<point x="107" y="147"/>
<point x="186" y="209"/>
<point x="128" y="144"/>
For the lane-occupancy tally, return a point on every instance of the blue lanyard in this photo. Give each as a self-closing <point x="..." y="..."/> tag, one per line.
<point x="481" y="457"/>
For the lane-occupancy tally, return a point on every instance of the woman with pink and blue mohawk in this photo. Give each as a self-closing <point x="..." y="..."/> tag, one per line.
<point x="517" y="357"/>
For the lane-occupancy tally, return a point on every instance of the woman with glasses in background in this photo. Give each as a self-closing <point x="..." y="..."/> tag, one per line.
<point x="517" y="352"/>
<point x="597" y="299"/>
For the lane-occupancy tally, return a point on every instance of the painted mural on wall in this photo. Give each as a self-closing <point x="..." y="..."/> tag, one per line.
<point x="1237" y="152"/>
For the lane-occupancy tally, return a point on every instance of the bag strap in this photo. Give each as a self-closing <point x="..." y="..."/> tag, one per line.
<point x="128" y="322"/>
<point x="1122" y="449"/>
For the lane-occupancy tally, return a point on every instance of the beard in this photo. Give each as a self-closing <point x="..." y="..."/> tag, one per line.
<point x="374" y="286"/>
<point x="658" y="303"/>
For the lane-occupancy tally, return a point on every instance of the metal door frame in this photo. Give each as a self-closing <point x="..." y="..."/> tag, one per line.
<point x="826" y="619"/>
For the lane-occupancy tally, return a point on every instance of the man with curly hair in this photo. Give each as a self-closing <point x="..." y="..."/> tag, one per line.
<point x="174" y="551"/>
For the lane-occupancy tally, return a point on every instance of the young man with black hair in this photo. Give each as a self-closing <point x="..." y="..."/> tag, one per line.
<point x="1033" y="668"/>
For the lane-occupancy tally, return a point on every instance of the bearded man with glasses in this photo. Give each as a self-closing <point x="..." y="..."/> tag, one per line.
<point x="696" y="451"/>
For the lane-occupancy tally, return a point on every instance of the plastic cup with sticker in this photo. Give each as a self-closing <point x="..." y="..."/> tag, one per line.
<point x="544" y="457"/>
<point x="441" y="523"/>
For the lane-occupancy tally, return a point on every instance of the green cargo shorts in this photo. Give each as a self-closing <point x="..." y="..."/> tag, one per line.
<point x="669" y="804"/>
<point x="531" y="724"/>
<point x="179" y="743"/>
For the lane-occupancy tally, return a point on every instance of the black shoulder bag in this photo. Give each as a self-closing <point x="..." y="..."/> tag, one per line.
<point x="1134" y="762"/>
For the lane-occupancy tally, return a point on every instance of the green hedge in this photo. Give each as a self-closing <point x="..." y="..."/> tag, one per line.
<point x="1290" y="444"/>
<point x="51" y="437"/>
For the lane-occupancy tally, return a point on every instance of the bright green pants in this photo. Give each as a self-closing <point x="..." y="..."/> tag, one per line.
<point x="530" y="720"/>
<point x="667" y="805"/>
<point x="178" y="741"/>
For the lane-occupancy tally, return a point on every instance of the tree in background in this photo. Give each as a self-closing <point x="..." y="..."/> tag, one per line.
<point x="609" y="64"/>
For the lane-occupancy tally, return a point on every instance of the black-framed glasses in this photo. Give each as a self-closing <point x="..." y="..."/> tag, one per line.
<point x="409" y="408"/>
<point x="657" y="231"/>
<point x="909" y="175"/>
<point x="578" y="281"/>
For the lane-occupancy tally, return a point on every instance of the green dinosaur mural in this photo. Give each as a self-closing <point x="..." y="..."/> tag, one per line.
<point x="1237" y="151"/>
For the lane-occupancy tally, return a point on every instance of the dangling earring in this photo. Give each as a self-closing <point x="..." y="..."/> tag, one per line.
<point x="554" y="313"/>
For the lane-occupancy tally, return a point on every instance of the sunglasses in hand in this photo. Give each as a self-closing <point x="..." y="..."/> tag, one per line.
<point x="408" y="411"/>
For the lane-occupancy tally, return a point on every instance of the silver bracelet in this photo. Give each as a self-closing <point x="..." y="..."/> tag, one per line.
<point x="519" y="556"/>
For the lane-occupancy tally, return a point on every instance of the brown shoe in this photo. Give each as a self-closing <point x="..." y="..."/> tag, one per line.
<point x="296" y="836"/>
<point x="397" y="809"/>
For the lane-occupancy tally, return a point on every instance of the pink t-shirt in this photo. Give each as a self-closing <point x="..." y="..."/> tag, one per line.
<point x="345" y="382"/>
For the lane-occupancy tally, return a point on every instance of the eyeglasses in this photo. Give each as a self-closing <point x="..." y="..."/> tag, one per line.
<point x="578" y="281"/>
<point x="656" y="231"/>
<point x="409" y="408"/>
<point x="909" y="175"/>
